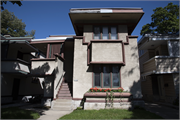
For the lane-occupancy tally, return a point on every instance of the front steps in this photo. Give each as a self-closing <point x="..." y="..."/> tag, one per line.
<point x="64" y="92"/>
<point x="63" y="100"/>
<point x="62" y="105"/>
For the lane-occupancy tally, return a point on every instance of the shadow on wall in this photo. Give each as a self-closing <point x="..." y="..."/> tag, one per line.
<point x="134" y="55"/>
<point x="167" y="65"/>
<point x="41" y="69"/>
<point x="135" y="88"/>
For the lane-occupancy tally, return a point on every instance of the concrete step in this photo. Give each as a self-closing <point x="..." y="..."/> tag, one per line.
<point x="64" y="95"/>
<point x="62" y="103"/>
<point x="64" y="84"/>
<point x="64" y="91"/>
<point x="64" y="87"/>
<point x="61" y="108"/>
<point x="64" y="98"/>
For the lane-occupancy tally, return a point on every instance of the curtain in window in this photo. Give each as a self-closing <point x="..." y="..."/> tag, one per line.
<point x="97" y="33"/>
<point x="106" y="76"/>
<point x="113" y="33"/>
<point x="105" y="33"/>
<point x="97" y="75"/>
<point x="115" y="75"/>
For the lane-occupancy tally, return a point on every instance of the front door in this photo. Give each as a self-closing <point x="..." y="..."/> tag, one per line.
<point x="15" y="90"/>
<point x="161" y="87"/>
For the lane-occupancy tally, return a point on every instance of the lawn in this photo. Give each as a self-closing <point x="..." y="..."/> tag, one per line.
<point x="111" y="114"/>
<point x="17" y="113"/>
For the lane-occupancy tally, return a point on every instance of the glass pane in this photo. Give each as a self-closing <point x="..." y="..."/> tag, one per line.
<point x="105" y="33"/>
<point x="97" y="79"/>
<point x="115" y="74"/>
<point x="113" y="33"/>
<point x="97" y="75"/>
<point x="97" y="33"/>
<point x="106" y="75"/>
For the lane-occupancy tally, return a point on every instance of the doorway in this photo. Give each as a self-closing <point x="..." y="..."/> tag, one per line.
<point x="15" y="90"/>
<point x="161" y="87"/>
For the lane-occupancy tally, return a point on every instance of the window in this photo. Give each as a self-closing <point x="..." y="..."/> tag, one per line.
<point x="97" y="33"/>
<point x="106" y="76"/>
<point x="54" y="48"/>
<point x="105" y="32"/>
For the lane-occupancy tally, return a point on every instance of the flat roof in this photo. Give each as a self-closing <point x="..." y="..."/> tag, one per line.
<point x="109" y="8"/>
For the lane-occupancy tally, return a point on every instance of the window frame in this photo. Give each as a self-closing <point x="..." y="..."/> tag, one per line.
<point x="94" y="78"/>
<point x="102" y="77"/>
<point x="109" y="32"/>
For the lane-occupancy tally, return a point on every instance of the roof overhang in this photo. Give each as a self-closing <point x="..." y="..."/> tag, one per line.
<point x="21" y="45"/>
<point x="105" y="16"/>
<point x="151" y="42"/>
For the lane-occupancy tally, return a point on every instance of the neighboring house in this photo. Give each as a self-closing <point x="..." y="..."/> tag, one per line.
<point x="102" y="54"/>
<point x="159" y="66"/>
<point x="16" y="80"/>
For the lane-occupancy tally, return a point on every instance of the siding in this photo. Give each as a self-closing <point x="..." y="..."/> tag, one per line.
<point x="143" y="59"/>
<point x="149" y="66"/>
<point x="147" y="89"/>
<point x="170" y="90"/>
<point x="168" y="79"/>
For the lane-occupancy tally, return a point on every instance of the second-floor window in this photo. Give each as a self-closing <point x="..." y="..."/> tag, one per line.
<point x="105" y="32"/>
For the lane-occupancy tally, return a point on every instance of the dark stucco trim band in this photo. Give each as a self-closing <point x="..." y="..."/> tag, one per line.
<point x="43" y="59"/>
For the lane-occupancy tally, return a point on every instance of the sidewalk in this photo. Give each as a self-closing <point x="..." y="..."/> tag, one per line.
<point x="45" y="114"/>
<point x="163" y="111"/>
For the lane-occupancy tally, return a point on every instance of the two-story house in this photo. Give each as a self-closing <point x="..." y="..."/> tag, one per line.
<point x="103" y="54"/>
<point x="159" y="66"/>
<point x="16" y="80"/>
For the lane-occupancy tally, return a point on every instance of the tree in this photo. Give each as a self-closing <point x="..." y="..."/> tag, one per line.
<point x="11" y="25"/>
<point x="13" y="2"/>
<point x="164" y="20"/>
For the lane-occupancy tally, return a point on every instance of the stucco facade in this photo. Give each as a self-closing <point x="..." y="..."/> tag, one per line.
<point x="67" y="66"/>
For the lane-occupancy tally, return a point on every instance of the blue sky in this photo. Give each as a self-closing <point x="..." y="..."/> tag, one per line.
<point x="51" y="17"/>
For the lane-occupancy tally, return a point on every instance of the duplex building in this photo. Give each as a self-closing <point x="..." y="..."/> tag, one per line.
<point x="103" y="54"/>
<point x="159" y="67"/>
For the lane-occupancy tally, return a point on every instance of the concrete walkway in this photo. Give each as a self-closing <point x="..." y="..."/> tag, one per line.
<point x="46" y="114"/>
<point x="163" y="111"/>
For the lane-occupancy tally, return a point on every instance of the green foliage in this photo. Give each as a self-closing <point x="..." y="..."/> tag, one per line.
<point x="109" y="98"/>
<point x="11" y="25"/>
<point x="164" y="20"/>
<point x="13" y="2"/>
<point x="16" y="113"/>
<point x="111" y="114"/>
<point x="79" y="108"/>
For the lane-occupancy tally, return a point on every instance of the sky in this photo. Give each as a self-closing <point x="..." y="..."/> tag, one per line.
<point x="52" y="18"/>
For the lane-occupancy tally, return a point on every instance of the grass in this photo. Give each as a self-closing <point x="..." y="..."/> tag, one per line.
<point x="17" y="113"/>
<point x="111" y="114"/>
